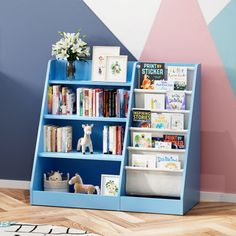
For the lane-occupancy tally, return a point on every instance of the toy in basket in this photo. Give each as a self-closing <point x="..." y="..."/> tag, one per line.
<point x="86" y="141"/>
<point x="83" y="188"/>
<point x="55" y="181"/>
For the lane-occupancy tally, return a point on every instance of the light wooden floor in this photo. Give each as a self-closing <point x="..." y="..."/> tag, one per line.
<point x="206" y="219"/>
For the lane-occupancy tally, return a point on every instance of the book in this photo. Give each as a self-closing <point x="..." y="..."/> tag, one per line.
<point x="79" y="101"/>
<point x="50" y="94"/>
<point x="142" y="140"/>
<point x="164" y="85"/>
<point x="59" y="139"/>
<point x="149" y="73"/>
<point x="177" y="121"/>
<point x="161" y="120"/>
<point x="175" y="101"/>
<point x="177" y="141"/>
<point x="119" y="140"/>
<point x="99" y="102"/>
<point x="142" y="160"/>
<point x="168" y="162"/>
<point x="163" y="145"/>
<point x="56" y="99"/>
<point x="141" y="118"/>
<point x="64" y="100"/>
<point x="126" y="103"/>
<point x="86" y="102"/>
<point x="67" y="139"/>
<point x="105" y="139"/>
<point x="154" y="101"/>
<point x="178" y="75"/>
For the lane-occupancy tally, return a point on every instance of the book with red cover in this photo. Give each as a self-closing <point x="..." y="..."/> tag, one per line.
<point x="177" y="141"/>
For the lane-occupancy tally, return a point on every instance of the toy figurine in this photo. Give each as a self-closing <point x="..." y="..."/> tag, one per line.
<point x="86" y="140"/>
<point x="83" y="188"/>
<point x="55" y="176"/>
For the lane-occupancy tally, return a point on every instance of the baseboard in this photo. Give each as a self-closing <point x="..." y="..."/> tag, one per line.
<point x="204" y="196"/>
<point x="217" y="197"/>
<point x="14" y="184"/>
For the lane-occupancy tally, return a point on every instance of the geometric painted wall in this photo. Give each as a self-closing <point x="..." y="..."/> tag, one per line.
<point x="198" y="31"/>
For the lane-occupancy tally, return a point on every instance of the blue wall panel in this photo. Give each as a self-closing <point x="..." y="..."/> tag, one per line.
<point x="27" y="31"/>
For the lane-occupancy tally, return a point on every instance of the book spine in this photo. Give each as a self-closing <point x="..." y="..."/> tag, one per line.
<point x="49" y="138"/>
<point x="113" y="103"/>
<point x="105" y="104"/>
<point x="86" y="102"/>
<point x="45" y="129"/>
<point x="114" y="140"/>
<point x="78" y="90"/>
<point x="109" y="103"/>
<point x="68" y="101"/>
<point x="53" y="148"/>
<point x="105" y="138"/>
<point x="110" y="144"/>
<point x="126" y="103"/>
<point x="118" y="140"/>
<point x="56" y="100"/>
<point x="50" y="94"/>
<point x="94" y="92"/>
<point x="118" y="103"/>
<point x="59" y="139"/>
<point x="63" y="107"/>
<point x="90" y="102"/>
<point x="68" y="139"/>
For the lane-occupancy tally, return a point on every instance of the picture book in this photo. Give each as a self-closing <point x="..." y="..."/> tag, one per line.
<point x="177" y="75"/>
<point x="161" y="120"/>
<point x="154" y="101"/>
<point x="142" y="118"/>
<point x="175" y="101"/>
<point x="142" y="140"/>
<point x="168" y="162"/>
<point x="177" y="141"/>
<point x="149" y="73"/>
<point x="145" y="161"/>
<point x="162" y="145"/>
<point x="177" y="121"/>
<point x="164" y="85"/>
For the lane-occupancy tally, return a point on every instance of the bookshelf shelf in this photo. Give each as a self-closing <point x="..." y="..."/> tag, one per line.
<point x="155" y="130"/>
<point x="152" y="169"/>
<point x="156" y="150"/>
<point x="90" y="83"/>
<point x="98" y="156"/>
<point x="85" y="118"/>
<point x="159" y="91"/>
<point x="164" y="111"/>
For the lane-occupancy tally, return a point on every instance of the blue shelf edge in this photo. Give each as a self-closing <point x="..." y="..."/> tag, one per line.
<point x="88" y="118"/>
<point x="80" y="156"/>
<point x="74" y="200"/>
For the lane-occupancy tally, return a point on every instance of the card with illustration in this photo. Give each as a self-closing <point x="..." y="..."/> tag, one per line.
<point x="110" y="185"/>
<point x="142" y="140"/>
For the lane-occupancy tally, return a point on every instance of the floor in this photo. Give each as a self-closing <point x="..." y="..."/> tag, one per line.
<point x="206" y="219"/>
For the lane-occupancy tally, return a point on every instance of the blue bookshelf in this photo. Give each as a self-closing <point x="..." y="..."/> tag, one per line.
<point x="91" y="167"/>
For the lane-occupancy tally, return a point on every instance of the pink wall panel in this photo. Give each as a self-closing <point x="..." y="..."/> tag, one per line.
<point x="180" y="34"/>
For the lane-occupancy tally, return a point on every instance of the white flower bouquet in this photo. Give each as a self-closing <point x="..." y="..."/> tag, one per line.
<point x="70" y="47"/>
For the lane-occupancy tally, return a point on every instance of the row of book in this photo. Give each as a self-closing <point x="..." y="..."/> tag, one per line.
<point x="159" y="161"/>
<point x="57" y="139"/>
<point x="102" y="102"/>
<point x="61" y="100"/>
<point x="154" y="76"/>
<point x="148" y="119"/>
<point x="168" y="101"/>
<point x="165" y="142"/>
<point x="113" y="138"/>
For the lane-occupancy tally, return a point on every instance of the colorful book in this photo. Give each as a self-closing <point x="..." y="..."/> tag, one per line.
<point x="142" y="140"/>
<point x="177" y="121"/>
<point x="142" y="118"/>
<point x="178" y="75"/>
<point x="168" y="162"/>
<point x="149" y="73"/>
<point x="143" y="160"/>
<point x="154" y="101"/>
<point x="161" y="120"/>
<point x="177" y="141"/>
<point x="50" y="95"/>
<point x="175" y="101"/>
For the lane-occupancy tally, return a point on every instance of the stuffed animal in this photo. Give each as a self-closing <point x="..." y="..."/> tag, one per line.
<point x="55" y="176"/>
<point x="79" y="187"/>
<point x="86" y="140"/>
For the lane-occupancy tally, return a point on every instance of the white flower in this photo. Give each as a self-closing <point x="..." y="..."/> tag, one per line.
<point x="70" y="47"/>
